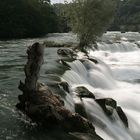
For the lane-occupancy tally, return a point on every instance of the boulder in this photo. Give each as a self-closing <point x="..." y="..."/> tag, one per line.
<point x="80" y="109"/>
<point x="83" y="92"/>
<point x="107" y="104"/>
<point x="65" y="86"/>
<point x="122" y="116"/>
<point x="47" y="109"/>
<point x="66" y="52"/>
<point x="64" y="63"/>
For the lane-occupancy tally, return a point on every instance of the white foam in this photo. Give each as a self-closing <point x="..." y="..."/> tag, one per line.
<point x="114" y="76"/>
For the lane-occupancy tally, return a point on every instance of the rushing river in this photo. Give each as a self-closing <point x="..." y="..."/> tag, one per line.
<point x="117" y="75"/>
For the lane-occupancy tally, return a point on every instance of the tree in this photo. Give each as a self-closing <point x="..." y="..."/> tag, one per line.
<point x="61" y="10"/>
<point x="90" y="18"/>
<point x="26" y="18"/>
<point x="127" y="16"/>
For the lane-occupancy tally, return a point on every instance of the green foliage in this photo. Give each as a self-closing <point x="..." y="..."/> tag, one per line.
<point x="130" y="12"/>
<point x="60" y="10"/>
<point x="90" y="18"/>
<point x="128" y="15"/>
<point x="26" y="18"/>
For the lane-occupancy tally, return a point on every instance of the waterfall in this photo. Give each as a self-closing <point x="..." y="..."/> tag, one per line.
<point x="96" y="75"/>
<point x="113" y="76"/>
<point x="122" y="46"/>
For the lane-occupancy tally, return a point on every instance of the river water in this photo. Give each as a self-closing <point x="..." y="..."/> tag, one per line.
<point x="117" y="76"/>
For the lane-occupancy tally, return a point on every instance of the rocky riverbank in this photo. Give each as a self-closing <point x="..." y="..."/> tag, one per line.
<point x="44" y="107"/>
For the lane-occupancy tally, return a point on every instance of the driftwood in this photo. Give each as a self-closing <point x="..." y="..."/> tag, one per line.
<point x="32" y="68"/>
<point x="41" y="105"/>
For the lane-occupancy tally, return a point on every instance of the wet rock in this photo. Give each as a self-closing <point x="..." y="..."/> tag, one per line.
<point x="80" y="109"/>
<point x="48" y="109"/>
<point x="84" y="92"/>
<point x="122" y="116"/>
<point x="93" y="60"/>
<point x="108" y="105"/>
<point x="66" y="52"/>
<point x="138" y="44"/>
<point x="64" y="63"/>
<point x="65" y="86"/>
<point x="76" y="123"/>
<point x="86" y="136"/>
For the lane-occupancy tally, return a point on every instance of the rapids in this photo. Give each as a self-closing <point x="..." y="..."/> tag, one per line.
<point x="116" y="75"/>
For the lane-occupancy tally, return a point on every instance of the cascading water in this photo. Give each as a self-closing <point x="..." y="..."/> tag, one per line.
<point x="122" y="46"/>
<point x="112" y="72"/>
<point x="116" y="76"/>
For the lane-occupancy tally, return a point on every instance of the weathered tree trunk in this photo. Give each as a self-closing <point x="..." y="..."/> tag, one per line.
<point x="44" y="107"/>
<point x="32" y="68"/>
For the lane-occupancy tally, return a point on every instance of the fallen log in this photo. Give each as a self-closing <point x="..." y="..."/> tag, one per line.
<point x="44" y="107"/>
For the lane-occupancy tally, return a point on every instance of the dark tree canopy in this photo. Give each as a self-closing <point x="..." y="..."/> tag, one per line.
<point x="26" y="18"/>
<point x="127" y="15"/>
<point x="61" y="10"/>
